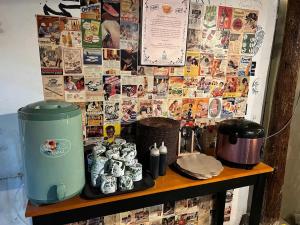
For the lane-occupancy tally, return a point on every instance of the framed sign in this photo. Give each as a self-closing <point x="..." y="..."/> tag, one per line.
<point x="164" y="32"/>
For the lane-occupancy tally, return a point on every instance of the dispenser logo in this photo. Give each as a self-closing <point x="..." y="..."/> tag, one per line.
<point x="55" y="148"/>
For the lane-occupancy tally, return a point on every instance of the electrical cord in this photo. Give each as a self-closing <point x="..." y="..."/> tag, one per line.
<point x="287" y="123"/>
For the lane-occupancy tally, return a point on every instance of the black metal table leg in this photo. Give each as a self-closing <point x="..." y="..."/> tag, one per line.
<point x="220" y="206"/>
<point x="257" y="200"/>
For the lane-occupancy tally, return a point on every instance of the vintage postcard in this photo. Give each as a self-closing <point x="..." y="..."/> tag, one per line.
<point x="111" y="61"/>
<point x="94" y="120"/>
<point x="248" y="43"/>
<point x="250" y="18"/>
<point x="233" y="65"/>
<point x="111" y="87"/>
<point x="95" y="107"/>
<point x="91" y="33"/>
<point x="92" y="56"/>
<point x="231" y="86"/>
<point x="72" y="58"/>
<point x="160" y="86"/>
<point x="92" y="71"/>
<point x="201" y="108"/>
<point x="194" y="39"/>
<point x="127" y="218"/>
<point x="155" y="212"/>
<point x="129" y="110"/>
<point x="224" y="17"/>
<point x="145" y="70"/>
<point x="176" y="86"/>
<point x="111" y="111"/>
<point x="145" y="108"/>
<point x="129" y="62"/>
<point x="235" y="43"/>
<point x="110" y="34"/>
<point x="243" y="87"/>
<point x="245" y="66"/>
<point x="130" y="11"/>
<point x="214" y="108"/>
<point x="218" y="68"/>
<point x="91" y="11"/>
<point x="93" y="88"/>
<point x="141" y="215"/>
<point x="217" y="88"/>
<point x="206" y="63"/>
<point x="192" y="66"/>
<point x="94" y="131"/>
<point x="110" y="10"/>
<point x="240" y="107"/>
<point x="74" y="88"/>
<point x="51" y="60"/>
<point x="188" y="109"/>
<point x="145" y="87"/>
<point x="160" y="107"/>
<point x="181" y="206"/>
<point x="238" y="21"/>
<point x="49" y="29"/>
<point x="203" y="87"/>
<point x="53" y="87"/>
<point x="175" y="108"/>
<point x="129" y="87"/>
<point x="196" y="15"/>
<point x="190" y="87"/>
<point x="228" y="108"/>
<point x="210" y="17"/>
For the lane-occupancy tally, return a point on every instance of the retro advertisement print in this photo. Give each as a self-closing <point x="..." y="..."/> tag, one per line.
<point x="53" y="87"/>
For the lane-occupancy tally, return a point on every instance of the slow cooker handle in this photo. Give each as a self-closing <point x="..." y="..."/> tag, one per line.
<point x="233" y="138"/>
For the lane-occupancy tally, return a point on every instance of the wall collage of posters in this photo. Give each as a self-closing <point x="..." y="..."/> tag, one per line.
<point x="93" y="62"/>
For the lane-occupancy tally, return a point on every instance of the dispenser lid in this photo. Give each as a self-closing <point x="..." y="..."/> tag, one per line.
<point x="48" y="110"/>
<point x="241" y="128"/>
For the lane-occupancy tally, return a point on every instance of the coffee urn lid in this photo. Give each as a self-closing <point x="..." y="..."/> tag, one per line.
<point x="48" y="110"/>
<point x="241" y="128"/>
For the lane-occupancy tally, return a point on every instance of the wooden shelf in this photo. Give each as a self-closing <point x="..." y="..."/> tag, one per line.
<point x="172" y="181"/>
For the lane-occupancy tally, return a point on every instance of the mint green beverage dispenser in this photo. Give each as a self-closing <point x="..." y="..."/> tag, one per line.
<point x="52" y="146"/>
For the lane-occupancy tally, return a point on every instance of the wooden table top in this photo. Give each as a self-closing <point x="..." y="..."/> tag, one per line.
<point x="171" y="181"/>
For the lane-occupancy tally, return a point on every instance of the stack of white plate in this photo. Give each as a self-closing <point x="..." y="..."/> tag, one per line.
<point x="199" y="165"/>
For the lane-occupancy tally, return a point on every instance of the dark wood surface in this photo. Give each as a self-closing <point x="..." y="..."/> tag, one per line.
<point x="172" y="181"/>
<point x="282" y="110"/>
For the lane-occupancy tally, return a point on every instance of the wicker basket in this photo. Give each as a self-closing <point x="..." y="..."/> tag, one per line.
<point x="157" y="130"/>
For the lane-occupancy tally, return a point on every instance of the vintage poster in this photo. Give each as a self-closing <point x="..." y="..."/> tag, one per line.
<point x="129" y="31"/>
<point x="238" y="21"/>
<point x="195" y="15"/>
<point x="111" y="87"/>
<point x="127" y="218"/>
<point x="111" y="61"/>
<point x="72" y="58"/>
<point x="141" y="215"/>
<point x="175" y="87"/>
<point x="111" y="111"/>
<point x="129" y="110"/>
<point x="93" y="88"/>
<point x="218" y="67"/>
<point x="224" y="17"/>
<point x="233" y="65"/>
<point x="208" y="40"/>
<point x="248" y="43"/>
<point x="145" y="70"/>
<point x="145" y="108"/>
<point x="169" y="208"/>
<point x="168" y="220"/>
<point x="201" y="108"/>
<point x="94" y="120"/>
<point x="245" y="66"/>
<point x="161" y="71"/>
<point x="214" y="108"/>
<point x="132" y="46"/>
<point x="160" y="108"/>
<point x="217" y="88"/>
<point x="192" y="64"/>
<point x="203" y="86"/>
<point x="181" y="206"/>
<point x="194" y="39"/>
<point x="92" y="56"/>
<point x="240" y="107"/>
<point x="160" y="86"/>
<point x="145" y="87"/>
<point x="243" y="86"/>
<point x="231" y="86"/>
<point x="221" y="42"/>
<point x="51" y="60"/>
<point x="130" y="11"/>
<point x="164" y="32"/>
<point x="91" y="33"/>
<point x="210" y="17"/>
<point x="129" y="87"/>
<point x="111" y="130"/>
<point x="95" y="107"/>
<point x="92" y="71"/>
<point x="155" y="212"/>
<point x="235" y="43"/>
<point x="110" y="10"/>
<point x="94" y="131"/>
<point x="53" y="87"/>
<point x="188" y="109"/>
<point x="187" y="218"/>
<point x="192" y="204"/>
<point x="129" y="62"/>
<point x="71" y="33"/>
<point x="206" y="63"/>
<point x="49" y="28"/>
<point x="110" y="33"/>
<point x="228" y="108"/>
<point x="74" y="88"/>
<point x="176" y="71"/>
<point x="205" y="207"/>
<point x="91" y="12"/>
<point x="190" y="87"/>
<point x="251" y="18"/>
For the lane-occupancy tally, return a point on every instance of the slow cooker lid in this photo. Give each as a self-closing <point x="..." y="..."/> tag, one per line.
<point x="241" y="128"/>
<point x="49" y="110"/>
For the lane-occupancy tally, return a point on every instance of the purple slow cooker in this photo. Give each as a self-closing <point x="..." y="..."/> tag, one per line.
<point x="240" y="143"/>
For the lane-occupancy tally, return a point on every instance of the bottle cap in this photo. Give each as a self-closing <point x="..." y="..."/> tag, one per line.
<point x="154" y="151"/>
<point x="163" y="149"/>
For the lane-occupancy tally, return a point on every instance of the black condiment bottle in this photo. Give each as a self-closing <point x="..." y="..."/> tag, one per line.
<point x="163" y="151"/>
<point x="154" y="161"/>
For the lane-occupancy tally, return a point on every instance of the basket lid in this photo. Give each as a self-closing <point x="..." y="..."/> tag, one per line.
<point x="48" y="110"/>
